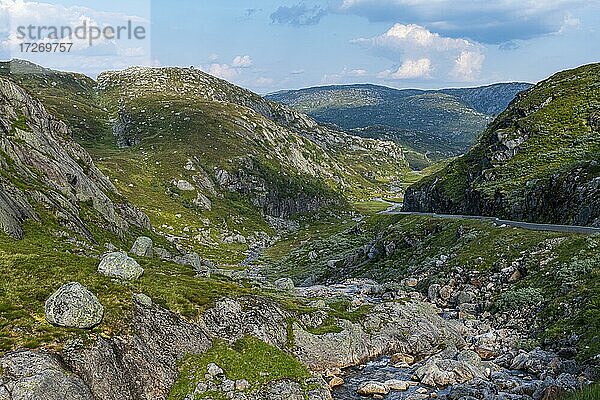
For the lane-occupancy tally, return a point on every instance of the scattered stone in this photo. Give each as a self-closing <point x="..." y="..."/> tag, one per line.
<point x="399" y="358"/>
<point x="284" y="284"/>
<point x="214" y="370"/>
<point x="120" y="265"/>
<point x="142" y="299"/>
<point x="411" y="282"/>
<point x="397" y="385"/>
<point x="185" y="186"/>
<point x="241" y="385"/>
<point x="335" y="382"/>
<point x="371" y="388"/>
<point x="73" y="306"/>
<point x="201" y="266"/>
<point x="142" y="247"/>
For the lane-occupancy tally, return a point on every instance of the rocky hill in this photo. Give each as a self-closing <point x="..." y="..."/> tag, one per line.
<point x="43" y="171"/>
<point x="439" y="123"/>
<point x="538" y="161"/>
<point x="209" y="151"/>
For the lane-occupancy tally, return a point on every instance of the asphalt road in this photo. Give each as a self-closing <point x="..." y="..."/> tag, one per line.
<point x="395" y="209"/>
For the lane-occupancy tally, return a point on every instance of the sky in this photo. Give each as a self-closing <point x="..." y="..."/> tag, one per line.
<point x="268" y="45"/>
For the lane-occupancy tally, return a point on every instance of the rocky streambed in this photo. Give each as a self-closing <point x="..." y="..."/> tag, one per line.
<point x="486" y="363"/>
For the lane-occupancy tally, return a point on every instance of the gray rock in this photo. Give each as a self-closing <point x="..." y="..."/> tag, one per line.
<point x="120" y="265"/>
<point x="163" y="254"/>
<point x="30" y="375"/>
<point x="74" y="306"/>
<point x="284" y="284"/>
<point x="201" y="266"/>
<point x="371" y="388"/>
<point x="142" y="247"/>
<point x="184" y="186"/>
<point x="214" y="370"/>
<point x="441" y="372"/>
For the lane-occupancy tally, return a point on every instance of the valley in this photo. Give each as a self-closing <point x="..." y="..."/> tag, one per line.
<point x="226" y="246"/>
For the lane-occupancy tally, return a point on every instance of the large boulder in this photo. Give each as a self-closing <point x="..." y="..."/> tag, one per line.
<point x="371" y="388"/>
<point x="443" y="372"/>
<point x="30" y="375"/>
<point x="73" y="306"/>
<point x="120" y="265"/>
<point x="142" y="247"/>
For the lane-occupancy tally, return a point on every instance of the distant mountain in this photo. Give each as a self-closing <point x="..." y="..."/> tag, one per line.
<point x="440" y="123"/>
<point x="538" y="161"/>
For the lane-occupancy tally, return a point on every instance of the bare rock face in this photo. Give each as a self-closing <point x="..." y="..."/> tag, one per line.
<point x="31" y="375"/>
<point x="143" y="364"/>
<point x="38" y="150"/>
<point x="121" y="266"/>
<point x="73" y="306"/>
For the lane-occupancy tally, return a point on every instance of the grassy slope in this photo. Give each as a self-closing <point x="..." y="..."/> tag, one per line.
<point x="560" y="140"/>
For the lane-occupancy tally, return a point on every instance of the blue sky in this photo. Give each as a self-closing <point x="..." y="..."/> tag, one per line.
<point x="272" y="45"/>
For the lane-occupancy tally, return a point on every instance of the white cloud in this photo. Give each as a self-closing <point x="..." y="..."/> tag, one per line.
<point x="410" y="69"/>
<point x="242" y="62"/>
<point x="467" y="66"/>
<point x="223" y="71"/>
<point x="419" y="49"/>
<point x="569" y="23"/>
<point x="413" y="36"/>
<point x="491" y="22"/>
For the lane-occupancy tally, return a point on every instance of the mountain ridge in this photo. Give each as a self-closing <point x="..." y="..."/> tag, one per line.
<point x="439" y="123"/>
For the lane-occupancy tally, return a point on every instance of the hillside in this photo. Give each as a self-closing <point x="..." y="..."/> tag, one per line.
<point x="538" y="161"/>
<point x="225" y="165"/>
<point x="439" y="123"/>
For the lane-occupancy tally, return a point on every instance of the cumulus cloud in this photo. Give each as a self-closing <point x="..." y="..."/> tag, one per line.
<point x="467" y="67"/>
<point x="298" y="15"/>
<point x="242" y="62"/>
<point x="491" y="22"/>
<point x="410" y="69"/>
<point x="422" y="52"/>
<point x="400" y="37"/>
<point x="223" y="71"/>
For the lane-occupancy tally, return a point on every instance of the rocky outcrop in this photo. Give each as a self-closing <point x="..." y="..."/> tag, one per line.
<point x="140" y="366"/>
<point x="524" y="166"/>
<point x="38" y="153"/>
<point x="73" y="306"/>
<point x="120" y="265"/>
<point x="34" y="375"/>
<point x="412" y="328"/>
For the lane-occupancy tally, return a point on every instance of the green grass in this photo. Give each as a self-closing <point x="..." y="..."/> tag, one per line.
<point x="589" y="393"/>
<point x="33" y="268"/>
<point x="248" y="358"/>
